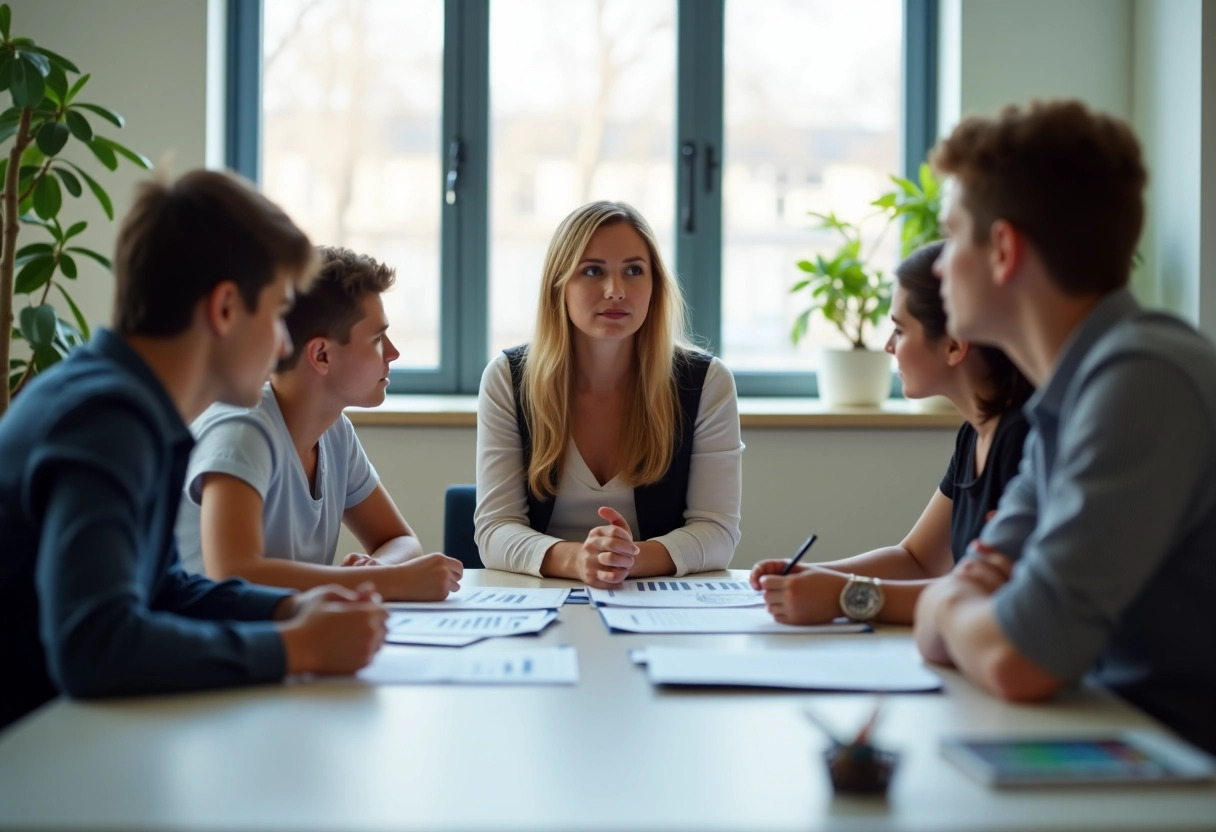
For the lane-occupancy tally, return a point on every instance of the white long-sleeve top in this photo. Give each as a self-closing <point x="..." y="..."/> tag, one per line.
<point x="710" y="533"/>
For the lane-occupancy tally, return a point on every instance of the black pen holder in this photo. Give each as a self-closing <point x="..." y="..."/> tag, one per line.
<point x="860" y="769"/>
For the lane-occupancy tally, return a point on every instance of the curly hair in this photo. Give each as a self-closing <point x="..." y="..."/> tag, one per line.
<point x="1070" y="179"/>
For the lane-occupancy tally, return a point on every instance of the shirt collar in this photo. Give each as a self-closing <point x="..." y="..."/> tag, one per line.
<point x="110" y="345"/>
<point x="1108" y="312"/>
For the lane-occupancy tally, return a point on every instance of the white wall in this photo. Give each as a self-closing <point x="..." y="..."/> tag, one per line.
<point x="999" y="52"/>
<point x="1174" y="109"/>
<point x="148" y="63"/>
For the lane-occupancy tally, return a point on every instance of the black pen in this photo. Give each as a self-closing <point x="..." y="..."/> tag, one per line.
<point x="805" y="547"/>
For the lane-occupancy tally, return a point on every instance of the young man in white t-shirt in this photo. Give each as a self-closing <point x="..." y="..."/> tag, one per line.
<point x="268" y="488"/>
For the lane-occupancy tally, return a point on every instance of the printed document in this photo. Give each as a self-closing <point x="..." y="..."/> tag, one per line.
<point x="726" y="620"/>
<point x="679" y="592"/>
<point x="533" y="666"/>
<point x="467" y="623"/>
<point x="866" y="665"/>
<point x="491" y="598"/>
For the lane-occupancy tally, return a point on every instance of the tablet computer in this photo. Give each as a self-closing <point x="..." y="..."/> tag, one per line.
<point x="1131" y="757"/>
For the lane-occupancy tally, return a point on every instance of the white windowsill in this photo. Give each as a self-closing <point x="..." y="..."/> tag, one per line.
<point x="777" y="412"/>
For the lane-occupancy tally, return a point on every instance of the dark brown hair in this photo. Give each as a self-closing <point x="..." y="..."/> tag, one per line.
<point x="1070" y="179"/>
<point x="1010" y="388"/>
<point x="182" y="239"/>
<point x="332" y="305"/>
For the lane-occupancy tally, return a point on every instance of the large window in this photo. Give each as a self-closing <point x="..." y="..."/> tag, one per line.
<point x="449" y="137"/>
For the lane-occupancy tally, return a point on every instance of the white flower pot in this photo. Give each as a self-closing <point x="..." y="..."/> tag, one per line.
<point x="854" y="378"/>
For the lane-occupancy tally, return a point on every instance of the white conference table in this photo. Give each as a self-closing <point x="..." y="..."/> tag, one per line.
<point x="611" y="753"/>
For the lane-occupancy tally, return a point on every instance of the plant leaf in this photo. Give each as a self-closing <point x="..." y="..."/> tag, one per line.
<point x="26" y="252"/>
<point x="81" y="323"/>
<point x="46" y="357"/>
<point x="69" y="181"/>
<point x="801" y="324"/>
<point x="52" y="136"/>
<point x="77" y="87"/>
<point x="79" y="125"/>
<point x="109" y="115"/>
<point x="38" y="325"/>
<point x="56" y="85"/>
<point x="68" y="266"/>
<point x="39" y="62"/>
<point x="6" y="18"/>
<point x="102" y="197"/>
<point x="138" y="158"/>
<point x="6" y="69"/>
<point x="48" y="198"/>
<point x="34" y="275"/>
<point x="103" y="154"/>
<point x="74" y="229"/>
<point x="26" y="84"/>
<point x="59" y="60"/>
<point x="88" y="252"/>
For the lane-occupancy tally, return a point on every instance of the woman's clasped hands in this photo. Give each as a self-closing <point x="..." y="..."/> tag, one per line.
<point x="608" y="553"/>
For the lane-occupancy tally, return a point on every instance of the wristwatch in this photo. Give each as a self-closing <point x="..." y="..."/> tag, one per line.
<point x="862" y="598"/>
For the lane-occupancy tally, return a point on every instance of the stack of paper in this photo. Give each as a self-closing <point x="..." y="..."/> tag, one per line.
<point x="857" y="666"/>
<point x="535" y="666"/>
<point x="490" y="598"/>
<point x="473" y="613"/>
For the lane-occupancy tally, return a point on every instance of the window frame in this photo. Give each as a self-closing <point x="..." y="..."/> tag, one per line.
<point x="464" y="236"/>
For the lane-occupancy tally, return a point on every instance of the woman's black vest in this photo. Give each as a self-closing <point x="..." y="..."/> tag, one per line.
<point x="660" y="505"/>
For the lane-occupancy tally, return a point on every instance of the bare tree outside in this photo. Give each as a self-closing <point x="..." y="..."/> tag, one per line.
<point x="582" y="107"/>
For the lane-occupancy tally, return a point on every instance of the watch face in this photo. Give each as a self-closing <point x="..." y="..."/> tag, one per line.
<point x="861" y="600"/>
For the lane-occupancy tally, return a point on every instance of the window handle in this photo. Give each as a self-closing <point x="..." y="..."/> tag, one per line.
<point x="688" y="168"/>
<point x="455" y="157"/>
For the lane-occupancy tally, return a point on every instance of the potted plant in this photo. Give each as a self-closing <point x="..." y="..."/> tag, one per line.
<point x="851" y="294"/>
<point x="45" y="116"/>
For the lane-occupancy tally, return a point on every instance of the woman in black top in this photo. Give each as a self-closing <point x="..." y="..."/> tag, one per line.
<point x="989" y="391"/>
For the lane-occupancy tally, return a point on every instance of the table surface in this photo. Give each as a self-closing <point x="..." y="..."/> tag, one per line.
<point x="611" y="753"/>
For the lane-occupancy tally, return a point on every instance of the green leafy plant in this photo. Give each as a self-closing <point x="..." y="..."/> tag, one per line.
<point x="46" y="116"/>
<point x="845" y="288"/>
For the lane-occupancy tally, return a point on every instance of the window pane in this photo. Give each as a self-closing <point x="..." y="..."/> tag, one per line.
<point x="813" y="90"/>
<point x="351" y="133"/>
<point x="582" y="105"/>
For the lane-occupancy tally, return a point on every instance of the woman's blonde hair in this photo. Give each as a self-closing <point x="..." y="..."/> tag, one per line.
<point x="650" y="418"/>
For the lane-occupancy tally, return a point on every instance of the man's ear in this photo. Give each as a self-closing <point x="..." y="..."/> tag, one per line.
<point x="316" y="353"/>
<point x="1008" y="247"/>
<point x="220" y="307"/>
<point x="956" y="351"/>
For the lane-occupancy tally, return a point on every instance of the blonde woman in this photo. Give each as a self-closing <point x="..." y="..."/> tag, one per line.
<point x="608" y="447"/>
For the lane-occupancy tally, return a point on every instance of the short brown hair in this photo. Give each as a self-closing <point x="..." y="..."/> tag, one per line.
<point x="331" y="306"/>
<point x="1070" y="179"/>
<point x="182" y="239"/>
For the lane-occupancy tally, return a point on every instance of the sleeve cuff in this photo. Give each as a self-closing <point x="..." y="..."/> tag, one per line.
<point x="268" y="657"/>
<point x="258" y="603"/>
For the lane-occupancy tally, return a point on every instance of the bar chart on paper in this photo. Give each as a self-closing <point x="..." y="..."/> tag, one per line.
<point x="468" y="623"/>
<point x="491" y="598"/>
<point x="674" y="592"/>
<point x="534" y="666"/>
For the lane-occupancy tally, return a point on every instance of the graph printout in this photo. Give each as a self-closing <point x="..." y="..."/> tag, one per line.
<point x="403" y="623"/>
<point x="491" y="598"/>
<point x="531" y="666"/>
<point x="679" y="592"/>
